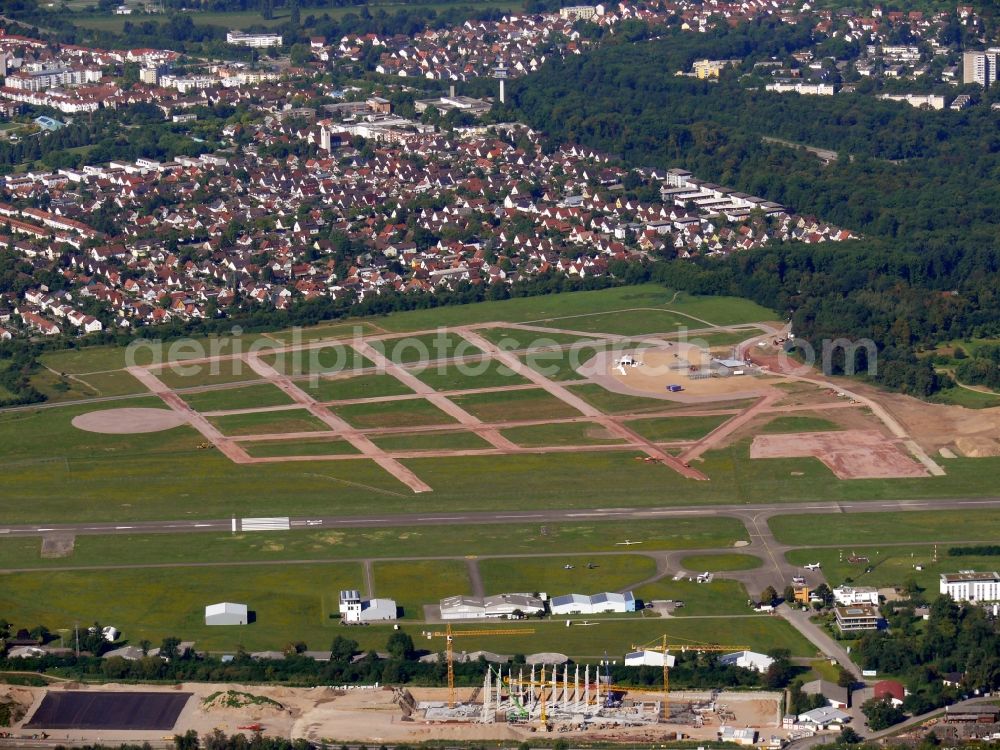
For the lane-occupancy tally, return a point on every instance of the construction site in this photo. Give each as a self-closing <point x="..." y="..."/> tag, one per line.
<point x="575" y="698"/>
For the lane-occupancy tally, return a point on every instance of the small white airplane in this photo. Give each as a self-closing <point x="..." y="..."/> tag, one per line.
<point x="813" y="566"/>
<point x="567" y="566"/>
<point x="627" y="543"/>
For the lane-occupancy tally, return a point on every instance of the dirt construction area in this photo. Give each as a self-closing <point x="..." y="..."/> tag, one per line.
<point x="658" y="368"/>
<point x="372" y="715"/>
<point x="849" y="454"/>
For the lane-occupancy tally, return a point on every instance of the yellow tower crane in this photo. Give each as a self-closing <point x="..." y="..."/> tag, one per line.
<point x="663" y="647"/>
<point x="449" y="635"/>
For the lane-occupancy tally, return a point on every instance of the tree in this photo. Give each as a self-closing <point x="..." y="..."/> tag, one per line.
<point x="881" y="714"/>
<point x="768" y="595"/>
<point x="400" y="646"/>
<point x="343" y="649"/>
<point x="300" y="54"/>
<point x="848" y="736"/>
<point x="188" y="741"/>
<point x="789" y="594"/>
<point x="169" y="648"/>
<point x="844" y="678"/>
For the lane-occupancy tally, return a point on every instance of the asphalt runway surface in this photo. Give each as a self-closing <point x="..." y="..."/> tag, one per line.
<point x="110" y="711"/>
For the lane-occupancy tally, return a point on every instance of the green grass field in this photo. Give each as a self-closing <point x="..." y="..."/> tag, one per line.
<point x="625" y="323"/>
<point x="157" y="602"/>
<point x="408" y="413"/>
<point x="242" y="19"/>
<point x="431" y="441"/>
<point x="566" y="433"/>
<point x="179" y="375"/>
<point x="323" y="332"/>
<point x="414" y="584"/>
<point x="891" y="566"/>
<point x="717" y="598"/>
<point x="872" y="528"/>
<point x="665" y="429"/>
<point x="613" y="635"/>
<point x="721" y="562"/>
<point x="516" y="339"/>
<point x="298" y="602"/>
<point x="114" y="383"/>
<point x="381" y="542"/>
<point x="230" y="399"/>
<point x="561" y="365"/>
<point x="487" y="373"/>
<point x="719" y="310"/>
<point x="268" y="423"/>
<point x="550" y="575"/>
<point x="515" y="405"/>
<point x="271" y="448"/>
<point x="360" y="386"/>
<point x="618" y="403"/>
<point x="970" y="399"/>
<point x="426" y="347"/>
<point x="330" y="359"/>
<point x="163" y="475"/>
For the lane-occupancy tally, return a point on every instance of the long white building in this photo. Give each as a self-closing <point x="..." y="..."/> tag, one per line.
<point x="970" y="586"/>
<point x="254" y="40"/>
<point x="498" y="606"/>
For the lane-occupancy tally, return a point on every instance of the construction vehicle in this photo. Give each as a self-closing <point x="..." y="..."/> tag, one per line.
<point x="664" y="648"/>
<point x="450" y="635"/>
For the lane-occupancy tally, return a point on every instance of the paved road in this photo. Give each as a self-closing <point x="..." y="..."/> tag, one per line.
<point x="818" y="637"/>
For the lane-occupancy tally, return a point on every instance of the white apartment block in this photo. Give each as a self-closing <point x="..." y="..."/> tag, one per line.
<point x="253" y="40"/>
<point x="970" y="586"/>
<point x="801" y="87"/>
<point x="43" y="78"/>
<point x="578" y="12"/>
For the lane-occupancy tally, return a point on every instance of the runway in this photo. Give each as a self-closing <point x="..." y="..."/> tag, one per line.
<point x="753" y="514"/>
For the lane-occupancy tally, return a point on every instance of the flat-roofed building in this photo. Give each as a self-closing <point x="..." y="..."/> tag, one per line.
<point x="354" y="609"/>
<point x="970" y="586"/>
<point x="856" y="617"/>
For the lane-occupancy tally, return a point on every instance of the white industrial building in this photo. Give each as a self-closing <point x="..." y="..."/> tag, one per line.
<point x="226" y="613"/>
<point x="354" y="609"/>
<point x="649" y="659"/>
<point x="748" y="660"/>
<point x="581" y="604"/>
<point x="847" y="595"/>
<point x="499" y="605"/>
<point x="970" y="586"/>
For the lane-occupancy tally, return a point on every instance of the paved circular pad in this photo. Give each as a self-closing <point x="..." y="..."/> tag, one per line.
<point x="128" y="421"/>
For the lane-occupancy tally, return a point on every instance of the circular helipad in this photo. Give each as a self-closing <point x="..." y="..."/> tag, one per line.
<point x="128" y="421"/>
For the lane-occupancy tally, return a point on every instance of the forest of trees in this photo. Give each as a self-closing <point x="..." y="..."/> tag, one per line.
<point x="922" y="187"/>
<point x="956" y="638"/>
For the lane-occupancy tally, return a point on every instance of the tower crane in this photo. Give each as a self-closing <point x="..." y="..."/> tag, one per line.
<point x="663" y="647"/>
<point x="449" y="635"/>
